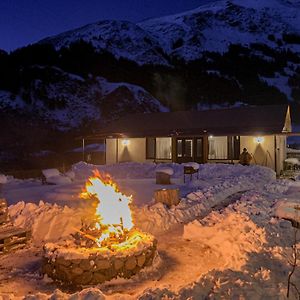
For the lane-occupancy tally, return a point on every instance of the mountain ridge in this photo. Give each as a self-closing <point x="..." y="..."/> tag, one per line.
<point x="210" y="27"/>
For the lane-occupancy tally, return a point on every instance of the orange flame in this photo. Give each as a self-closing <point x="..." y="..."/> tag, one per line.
<point x="113" y="211"/>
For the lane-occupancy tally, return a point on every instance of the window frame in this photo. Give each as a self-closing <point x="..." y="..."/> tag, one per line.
<point x="232" y="153"/>
<point x="155" y="151"/>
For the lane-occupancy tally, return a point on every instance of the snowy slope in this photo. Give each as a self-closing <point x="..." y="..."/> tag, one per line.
<point x="215" y="26"/>
<point x="211" y="27"/>
<point x="67" y="100"/>
<point x="121" y="38"/>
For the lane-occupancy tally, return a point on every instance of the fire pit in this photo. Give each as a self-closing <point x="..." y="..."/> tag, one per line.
<point x="107" y="246"/>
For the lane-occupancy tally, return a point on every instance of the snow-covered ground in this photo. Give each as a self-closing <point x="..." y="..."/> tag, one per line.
<point x="222" y="241"/>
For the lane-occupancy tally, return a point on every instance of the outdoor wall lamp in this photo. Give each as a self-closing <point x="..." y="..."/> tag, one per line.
<point x="125" y="142"/>
<point x="259" y="139"/>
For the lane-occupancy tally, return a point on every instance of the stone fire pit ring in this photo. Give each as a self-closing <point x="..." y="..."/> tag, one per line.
<point x="83" y="266"/>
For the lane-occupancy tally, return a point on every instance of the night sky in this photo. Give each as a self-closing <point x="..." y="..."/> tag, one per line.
<point x="27" y="21"/>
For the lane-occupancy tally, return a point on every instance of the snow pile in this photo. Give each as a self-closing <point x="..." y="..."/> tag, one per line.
<point x="50" y="173"/>
<point x="289" y="210"/>
<point x="70" y="174"/>
<point x="216" y="184"/>
<point x="231" y="236"/>
<point x="49" y="223"/>
<point x="53" y="176"/>
<point x="134" y="170"/>
<point x="128" y="170"/>
<point x="158" y="218"/>
<point x="3" y="179"/>
<point x="253" y="249"/>
<point x="86" y="294"/>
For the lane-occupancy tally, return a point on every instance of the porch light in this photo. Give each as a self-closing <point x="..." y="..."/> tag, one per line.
<point x="211" y="136"/>
<point x="259" y="139"/>
<point x="125" y="142"/>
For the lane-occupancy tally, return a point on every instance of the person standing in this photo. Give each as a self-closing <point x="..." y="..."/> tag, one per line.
<point x="245" y="157"/>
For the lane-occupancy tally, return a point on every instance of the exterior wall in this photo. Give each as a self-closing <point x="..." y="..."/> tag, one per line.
<point x="111" y="153"/>
<point x="281" y="153"/>
<point x="263" y="153"/>
<point x="129" y="149"/>
<point x="135" y="150"/>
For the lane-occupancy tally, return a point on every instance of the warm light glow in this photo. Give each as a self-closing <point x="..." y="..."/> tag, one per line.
<point x="259" y="139"/>
<point x="125" y="142"/>
<point x="113" y="212"/>
<point x="211" y="136"/>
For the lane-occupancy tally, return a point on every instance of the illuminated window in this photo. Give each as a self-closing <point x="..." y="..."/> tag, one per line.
<point x="223" y="147"/>
<point x="164" y="148"/>
<point x="159" y="148"/>
<point x="217" y="146"/>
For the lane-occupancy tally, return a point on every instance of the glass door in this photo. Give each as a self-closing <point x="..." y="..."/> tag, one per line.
<point x="189" y="149"/>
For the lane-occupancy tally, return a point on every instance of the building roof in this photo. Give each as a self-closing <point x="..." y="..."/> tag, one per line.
<point x="248" y="120"/>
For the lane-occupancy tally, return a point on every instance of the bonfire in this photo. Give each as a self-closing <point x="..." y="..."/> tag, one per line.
<point x="107" y="245"/>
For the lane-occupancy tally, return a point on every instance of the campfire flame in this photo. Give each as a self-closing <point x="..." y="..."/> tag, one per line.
<point x="113" y="214"/>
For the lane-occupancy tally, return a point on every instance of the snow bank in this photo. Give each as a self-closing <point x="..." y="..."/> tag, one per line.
<point x="158" y="218"/>
<point x="232" y="237"/>
<point x="253" y="249"/>
<point x="289" y="210"/>
<point x="129" y="170"/>
<point x="216" y="183"/>
<point x="70" y="174"/>
<point x="50" y="173"/>
<point x="86" y="294"/>
<point x="59" y="179"/>
<point x="3" y="179"/>
<point x="49" y="223"/>
<point x="133" y="170"/>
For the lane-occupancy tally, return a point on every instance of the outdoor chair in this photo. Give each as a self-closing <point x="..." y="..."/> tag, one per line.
<point x="189" y="170"/>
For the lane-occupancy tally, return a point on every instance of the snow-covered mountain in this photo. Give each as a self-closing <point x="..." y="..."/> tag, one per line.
<point x="121" y="38"/>
<point x="215" y="26"/>
<point x="211" y="27"/>
<point x="68" y="101"/>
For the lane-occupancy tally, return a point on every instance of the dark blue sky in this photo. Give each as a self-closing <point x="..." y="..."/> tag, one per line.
<point x="27" y="21"/>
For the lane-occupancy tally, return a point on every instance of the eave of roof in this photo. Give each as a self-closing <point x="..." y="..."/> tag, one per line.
<point x="262" y="120"/>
